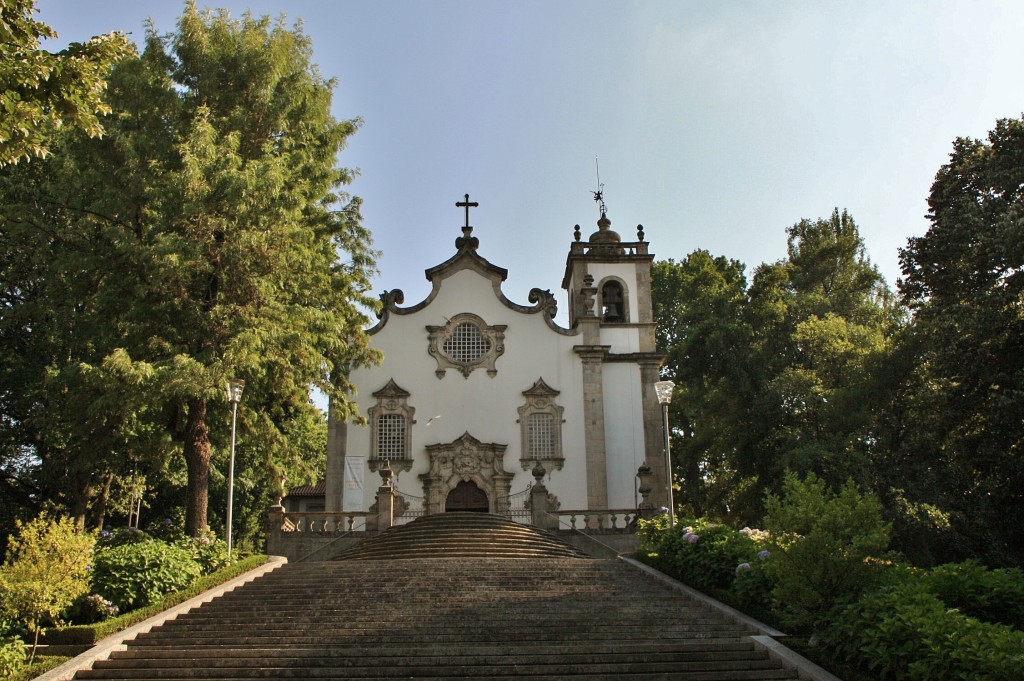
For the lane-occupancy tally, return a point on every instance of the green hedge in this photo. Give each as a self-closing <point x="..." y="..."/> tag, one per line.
<point x="92" y="633"/>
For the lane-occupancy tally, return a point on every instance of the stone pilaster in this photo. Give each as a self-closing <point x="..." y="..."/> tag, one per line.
<point x="592" y="357"/>
<point x="654" y="437"/>
<point x="337" y="436"/>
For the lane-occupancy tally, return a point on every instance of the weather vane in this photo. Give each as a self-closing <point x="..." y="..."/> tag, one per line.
<point x="599" y="194"/>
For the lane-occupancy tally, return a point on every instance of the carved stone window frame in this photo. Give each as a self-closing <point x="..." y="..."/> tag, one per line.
<point x="439" y="336"/>
<point x="391" y="400"/>
<point x="540" y="399"/>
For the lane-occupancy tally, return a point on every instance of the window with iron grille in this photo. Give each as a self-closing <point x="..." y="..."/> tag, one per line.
<point x="541" y="436"/>
<point x="391" y="421"/>
<point x="391" y="436"/>
<point x="540" y="420"/>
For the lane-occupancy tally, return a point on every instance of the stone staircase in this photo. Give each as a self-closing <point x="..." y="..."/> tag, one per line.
<point x="481" y="605"/>
<point x="462" y="535"/>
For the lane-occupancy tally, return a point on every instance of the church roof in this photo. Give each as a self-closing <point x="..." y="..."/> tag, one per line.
<point x="317" y="489"/>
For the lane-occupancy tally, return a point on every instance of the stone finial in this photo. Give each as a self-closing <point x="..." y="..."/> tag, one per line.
<point x="385" y="474"/>
<point x="538" y="472"/>
<point x="604" y="233"/>
<point x="639" y="232"/>
<point x="577" y="235"/>
<point x="645" y="474"/>
<point x="587" y="294"/>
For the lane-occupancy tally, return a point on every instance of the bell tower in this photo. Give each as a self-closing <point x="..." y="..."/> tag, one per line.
<point x="608" y="282"/>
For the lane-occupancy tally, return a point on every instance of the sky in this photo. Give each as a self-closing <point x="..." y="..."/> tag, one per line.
<point x="716" y="125"/>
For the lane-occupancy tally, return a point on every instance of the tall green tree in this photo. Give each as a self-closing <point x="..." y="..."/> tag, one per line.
<point x="964" y="280"/>
<point x="42" y="90"/>
<point x="699" y="305"/>
<point x="212" y="240"/>
<point x="823" y="318"/>
<point x="781" y="375"/>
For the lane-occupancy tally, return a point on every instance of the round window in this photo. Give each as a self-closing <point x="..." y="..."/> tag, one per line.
<point x="466" y="344"/>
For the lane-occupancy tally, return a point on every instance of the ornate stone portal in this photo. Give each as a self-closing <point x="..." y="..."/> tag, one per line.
<point x="466" y="459"/>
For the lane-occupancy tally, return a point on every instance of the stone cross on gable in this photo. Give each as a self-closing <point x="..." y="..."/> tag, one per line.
<point x="467" y="204"/>
<point x="467" y="241"/>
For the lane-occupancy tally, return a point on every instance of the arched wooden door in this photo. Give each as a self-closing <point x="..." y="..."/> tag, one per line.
<point x="467" y="496"/>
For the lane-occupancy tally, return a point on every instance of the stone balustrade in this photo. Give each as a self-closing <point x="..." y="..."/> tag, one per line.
<point x="621" y="520"/>
<point x="322" y="523"/>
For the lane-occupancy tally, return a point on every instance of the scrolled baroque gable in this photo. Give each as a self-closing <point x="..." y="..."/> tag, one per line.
<point x="466" y="343"/>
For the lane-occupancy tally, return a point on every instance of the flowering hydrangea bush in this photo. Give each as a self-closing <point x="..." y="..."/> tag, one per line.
<point x="90" y="609"/>
<point x="703" y="553"/>
<point x="135" y="575"/>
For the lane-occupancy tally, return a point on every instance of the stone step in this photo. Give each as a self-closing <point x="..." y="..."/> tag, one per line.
<point x="298" y="667"/>
<point x="315" y="658"/>
<point x="461" y="534"/>
<point x="705" y="647"/>
<point x="591" y="673"/>
<point x="386" y="638"/>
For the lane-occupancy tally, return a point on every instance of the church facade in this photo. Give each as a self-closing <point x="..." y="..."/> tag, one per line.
<point x="477" y="395"/>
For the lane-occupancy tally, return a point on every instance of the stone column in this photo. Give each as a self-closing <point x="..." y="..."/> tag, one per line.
<point x="275" y="520"/>
<point x="337" y="435"/>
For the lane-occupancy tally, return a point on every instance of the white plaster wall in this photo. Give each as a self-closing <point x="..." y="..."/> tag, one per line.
<point x="483" y="406"/>
<point x="624" y="432"/>
<point x="622" y="339"/>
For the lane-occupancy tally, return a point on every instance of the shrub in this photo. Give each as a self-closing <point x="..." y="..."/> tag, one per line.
<point x="45" y="571"/>
<point x="135" y="575"/>
<point x="209" y="552"/>
<point x="820" y="545"/>
<point x="904" y="631"/>
<point x="704" y="554"/>
<point x="90" y="609"/>
<point x="93" y="633"/>
<point x="12" y="655"/>
<point x="108" y="539"/>
<point x="753" y="586"/>
<point x="991" y="595"/>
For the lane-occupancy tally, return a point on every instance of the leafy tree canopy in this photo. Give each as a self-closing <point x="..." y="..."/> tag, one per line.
<point x="964" y="279"/>
<point x="206" y="237"/>
<point x="41" y="90"/>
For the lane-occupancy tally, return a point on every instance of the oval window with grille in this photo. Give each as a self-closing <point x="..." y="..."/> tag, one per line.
<point x="466" y="344"/>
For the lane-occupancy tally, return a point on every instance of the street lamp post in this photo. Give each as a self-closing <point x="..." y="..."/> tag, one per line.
<point x="664" y="390"/>
<point x="235" y="387"/>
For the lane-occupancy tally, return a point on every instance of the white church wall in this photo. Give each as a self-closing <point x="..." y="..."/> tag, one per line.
<point x="622" y="339"/>
<point x="482" y="405"/>
<point x="624" y="433"/>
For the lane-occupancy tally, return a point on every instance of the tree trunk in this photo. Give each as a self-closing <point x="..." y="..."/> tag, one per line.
<point x="197" y="459"/>
<point x="80" y="494"/>
<point x="99" y="508"/>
